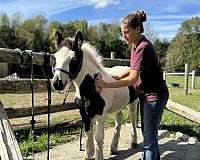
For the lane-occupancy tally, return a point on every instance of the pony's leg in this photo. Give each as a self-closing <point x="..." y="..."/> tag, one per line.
<point x="116" y="135"/>
<point x="133" y="117"/>
<point x="89" y="145"/>
<point x="99" y="137"/>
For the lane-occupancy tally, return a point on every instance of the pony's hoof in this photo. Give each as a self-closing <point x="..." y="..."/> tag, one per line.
<point x="134" y="145"/>
<point x="113" y="153"/>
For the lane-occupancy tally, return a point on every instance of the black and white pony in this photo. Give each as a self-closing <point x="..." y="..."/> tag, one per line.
<point x="79" y="63"/>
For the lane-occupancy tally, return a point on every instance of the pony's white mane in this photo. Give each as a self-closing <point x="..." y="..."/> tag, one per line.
<point x="91" y="53"/>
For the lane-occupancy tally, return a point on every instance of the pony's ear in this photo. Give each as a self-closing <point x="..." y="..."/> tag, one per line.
<point x="78" y="41"/>
<point x="58" y="39"/>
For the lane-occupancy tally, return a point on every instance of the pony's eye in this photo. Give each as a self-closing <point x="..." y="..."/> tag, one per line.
<point x="73" y="65"/>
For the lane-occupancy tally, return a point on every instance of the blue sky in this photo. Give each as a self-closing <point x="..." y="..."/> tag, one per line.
<point x="164" y="17"/>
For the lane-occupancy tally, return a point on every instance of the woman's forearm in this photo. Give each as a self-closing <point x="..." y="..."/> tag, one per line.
<point x="125" y="74"/>
<point x="126" y="81"/>
<point x="119" y="83"/>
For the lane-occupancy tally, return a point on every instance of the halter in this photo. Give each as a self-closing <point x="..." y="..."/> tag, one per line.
<point x="72" y="75"/>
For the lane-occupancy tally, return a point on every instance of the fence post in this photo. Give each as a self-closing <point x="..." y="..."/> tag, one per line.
<point x="112" y="55"/>
<point x="164" y="75"/>
<point x="193" y="79"/>
<point x="186" y="79"/>
<point x="9" y="148"/>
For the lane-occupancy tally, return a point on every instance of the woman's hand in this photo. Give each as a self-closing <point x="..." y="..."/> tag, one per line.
<point x="101" y="83"/>
<point x="116" y="77"/>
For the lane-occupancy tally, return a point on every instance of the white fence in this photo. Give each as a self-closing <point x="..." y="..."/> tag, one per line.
<point x="186" y="74"/>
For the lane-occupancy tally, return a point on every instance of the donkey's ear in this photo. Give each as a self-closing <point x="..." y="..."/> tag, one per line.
<point x="58" y="39"/>
<point x="78" y="41"/>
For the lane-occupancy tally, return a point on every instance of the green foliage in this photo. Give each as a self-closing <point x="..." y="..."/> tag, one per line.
<point x="161" y="48"/>
<point x="71" y="28"/>
<point x="33" y="32"/>
<point x="4" y="20"/>
<point x="108" y="40"/>
<point x="184" y="48"/>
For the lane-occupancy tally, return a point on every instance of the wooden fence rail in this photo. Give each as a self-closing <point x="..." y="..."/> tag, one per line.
<point x="14" y="56"/>
<point x="183" y="111"/>
<point x="14" y="112"/>
<point x="174" y="107"/>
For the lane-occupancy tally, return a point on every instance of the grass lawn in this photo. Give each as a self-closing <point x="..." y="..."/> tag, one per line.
<point x="174" y="122"/>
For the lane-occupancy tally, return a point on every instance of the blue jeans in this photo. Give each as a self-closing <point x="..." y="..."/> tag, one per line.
<point x="151" y="114"/>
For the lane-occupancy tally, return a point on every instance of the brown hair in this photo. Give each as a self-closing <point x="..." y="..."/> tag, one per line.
<point x="135" y="20"/>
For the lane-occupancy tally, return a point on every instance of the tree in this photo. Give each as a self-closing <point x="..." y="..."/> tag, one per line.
<point x="34" y="33"/>
<point x="110" y="41"/>
<point x="4" y="20"/>
<point x="185" y="47"/>
<point x="6" y="36"/>
<point x="53" y="27"/>
<point x="150" y="33"/>
<point x="16" y="20"/>
<point x="41" y="33"/>
<point x="93" y="36"/>
<point x="161" y="48"/>
<point x="73" y="26"/>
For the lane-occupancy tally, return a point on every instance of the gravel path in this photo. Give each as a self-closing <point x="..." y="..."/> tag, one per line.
<point x="172" y="147"/>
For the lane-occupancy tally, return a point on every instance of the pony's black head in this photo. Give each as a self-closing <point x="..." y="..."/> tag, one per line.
<point x="69" y="58"/>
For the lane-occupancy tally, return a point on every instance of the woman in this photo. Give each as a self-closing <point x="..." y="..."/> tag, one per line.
<point x="147" y="77"/>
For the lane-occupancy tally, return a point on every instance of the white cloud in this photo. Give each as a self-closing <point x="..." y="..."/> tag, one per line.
<point x="173" y="16"/>
<point x="103" y="3"/>
<point x="167" y="26"/>
<point x="166" y="35"/>
<point x="175" y="6"/>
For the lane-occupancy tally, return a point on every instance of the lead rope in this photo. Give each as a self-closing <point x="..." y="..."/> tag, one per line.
<point x="81" y="135"/>
<point x="64" y="100"/>
<point x="47" y="76"/>
<point x="49" y="104"/>
<point x="81" y="104"/>
<point x="33" y="108"/>
<point x="47" y="59"/>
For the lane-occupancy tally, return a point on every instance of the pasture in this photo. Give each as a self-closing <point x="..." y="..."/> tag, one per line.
<point x="170" y="120"/>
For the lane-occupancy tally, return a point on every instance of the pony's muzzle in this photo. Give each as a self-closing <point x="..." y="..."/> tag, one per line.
<point x="58" y="84"/>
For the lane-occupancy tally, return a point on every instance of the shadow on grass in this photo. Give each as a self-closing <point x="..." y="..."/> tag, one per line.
<point x="183" y="128"/>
